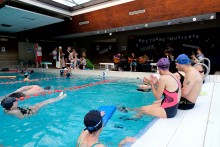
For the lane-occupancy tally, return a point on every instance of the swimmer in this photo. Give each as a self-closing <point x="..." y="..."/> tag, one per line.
<point x="144" y="88"/>
<point x="65" y="72"/>
<point x="10" y="105"/>
<point x="166" y="90"/>
<point x="192" y="83"/>
<point x="26" y="77"/>
<point x="94" y="125"/>
<point x="28" y="90"/>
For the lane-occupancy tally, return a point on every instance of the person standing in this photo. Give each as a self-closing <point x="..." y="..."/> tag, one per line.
<point x="58" y="57"/>
<point x="38" y="53"/>
<point x="54" y="54"/>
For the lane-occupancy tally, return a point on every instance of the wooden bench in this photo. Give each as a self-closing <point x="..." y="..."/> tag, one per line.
<point x="106" y="65"/>
<point x="46" y="64"/>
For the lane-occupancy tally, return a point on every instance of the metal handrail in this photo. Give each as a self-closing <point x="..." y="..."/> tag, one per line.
<point x="209" y="63"/>
<point x="207" y="69"/>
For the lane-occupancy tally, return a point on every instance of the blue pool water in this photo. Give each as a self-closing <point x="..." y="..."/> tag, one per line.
<point x="60" y="123"/>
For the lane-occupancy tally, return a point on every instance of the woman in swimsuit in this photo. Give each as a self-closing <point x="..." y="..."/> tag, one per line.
<point x="169" y="86"/>
<point x="90" y="135"/>
<point x="10" y="105"/>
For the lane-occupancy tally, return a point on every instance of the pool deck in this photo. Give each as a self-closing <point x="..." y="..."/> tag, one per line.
<point x="199" y="127"/>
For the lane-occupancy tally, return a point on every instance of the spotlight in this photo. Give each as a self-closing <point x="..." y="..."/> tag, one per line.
<point x="194" y="18"/>
<point x="110" y="34"/>
<point x="212" y="17"/>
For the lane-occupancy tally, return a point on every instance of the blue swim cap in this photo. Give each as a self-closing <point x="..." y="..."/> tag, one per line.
<point x="183" y="59"/>
<point x="61" y="72"/>
<point x="68" y="74"/>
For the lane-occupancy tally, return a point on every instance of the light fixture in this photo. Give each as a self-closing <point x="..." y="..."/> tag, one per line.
<point x="212" y="17"/>
<point x="194" y="18"/>
<point x="110" y="34"/>
<point x="146" y="25"/>
<point x="137" y="12"/>
<point x="169" y="22"/>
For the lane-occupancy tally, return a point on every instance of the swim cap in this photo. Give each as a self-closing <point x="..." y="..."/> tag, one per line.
<point x="7" y="102"/>
<point x="183" y="59"/>
<point x="65" y="69"/>
<point x="163" y="64"/>
<point x="47" y="88"/>
<point x="61" y="72"/>
<point x="68" y="74"/>
<point x="17" y="95"/>
<point x="93" y="121"/>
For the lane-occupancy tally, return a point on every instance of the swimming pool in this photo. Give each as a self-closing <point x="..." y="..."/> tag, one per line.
<point x="60" y="123"/>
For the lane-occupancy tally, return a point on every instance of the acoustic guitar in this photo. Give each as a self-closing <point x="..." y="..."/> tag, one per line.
<point x="116" y="60"/>
<point x="131" y="59"/>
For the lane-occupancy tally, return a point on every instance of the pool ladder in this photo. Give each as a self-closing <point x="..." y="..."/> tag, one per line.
<point x="201" y="62"/>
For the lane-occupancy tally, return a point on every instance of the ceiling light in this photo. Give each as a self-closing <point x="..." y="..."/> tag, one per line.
<point x="194" y="18"/>
<point x="137" y="12"/>
<point x="212" y="17"/>
<point x="110" y="34"/>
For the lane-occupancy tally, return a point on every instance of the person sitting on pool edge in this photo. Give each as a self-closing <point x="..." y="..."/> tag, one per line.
<point x="192" y="83"/>
<point x="10" y="105"/>
<point x="168" y="85"/>
<point x="28" y="90"/>
<point x="90" y="135"/>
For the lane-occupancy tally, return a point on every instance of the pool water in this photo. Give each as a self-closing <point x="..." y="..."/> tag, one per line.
<point x="60" y="123"/>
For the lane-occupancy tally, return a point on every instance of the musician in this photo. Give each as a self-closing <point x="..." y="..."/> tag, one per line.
<point x="143" y="60"/>
<point x="133" y="61"/>
<point x="117" y="60"/>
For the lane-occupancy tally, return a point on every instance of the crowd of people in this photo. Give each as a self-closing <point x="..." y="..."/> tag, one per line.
<point x="70" y="58"/>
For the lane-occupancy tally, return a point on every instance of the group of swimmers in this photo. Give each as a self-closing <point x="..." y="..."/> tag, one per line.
<point x="92" y="120"/>
<point x="180" y="90"/>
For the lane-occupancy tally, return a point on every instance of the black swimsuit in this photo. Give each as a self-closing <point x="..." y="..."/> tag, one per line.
<point x="25" y="111"/>
<point x="184" y="104"/>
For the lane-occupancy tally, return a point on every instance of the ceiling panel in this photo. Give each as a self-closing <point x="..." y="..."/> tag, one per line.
<point x="17" y="20"/>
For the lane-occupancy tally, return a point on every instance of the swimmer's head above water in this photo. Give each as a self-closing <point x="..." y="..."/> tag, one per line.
<point x="8" y="102"/>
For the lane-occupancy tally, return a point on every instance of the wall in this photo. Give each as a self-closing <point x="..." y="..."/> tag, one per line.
<point x="26" y="52"/>
<point x="155" y="10"/>
<point x="10" y="56"/>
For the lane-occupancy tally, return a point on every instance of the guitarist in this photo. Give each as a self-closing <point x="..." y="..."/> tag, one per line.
<point x="117" y="60"/>
<point x="133" y="61"/>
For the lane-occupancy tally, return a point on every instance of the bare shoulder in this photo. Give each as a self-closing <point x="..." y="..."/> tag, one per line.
<point x="100" y="145"/>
